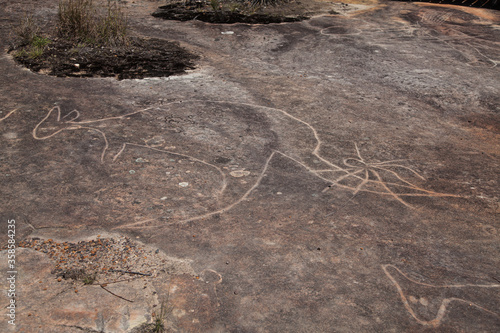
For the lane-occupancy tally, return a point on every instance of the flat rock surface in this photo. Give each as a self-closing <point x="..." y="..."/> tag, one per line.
<point x="339" y="174"/>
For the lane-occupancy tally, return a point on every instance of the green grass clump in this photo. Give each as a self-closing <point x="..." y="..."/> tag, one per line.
<point x="159" y="323"/>
<point x="30" y="39"/>
<point x="82" y="21"/>
<point x="27" y="30"/>
<point x="89" y="279"/>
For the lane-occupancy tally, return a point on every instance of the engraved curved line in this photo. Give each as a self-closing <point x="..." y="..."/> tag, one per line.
<point x="35" y="135"/>
<point x="134" y="225"/>
<point x="455" y="38"/>
<point x="117" y="117"/>
<point x="219" y="211"/>
<point x="106" y="143"/>
<point x="75" y="117"/>
<point x="374" y="168"/>
<point x="223" y="175"/>
<point x="8" y="114"/>
<point x="211" y="270"/>
<point x="389" y="190"/>
<point x="247" y="193"/>
<point x="316" y="151"/>
<point x="442" y="309"/>
<point x="352" y="171"/>
<point x="215" y="284"/>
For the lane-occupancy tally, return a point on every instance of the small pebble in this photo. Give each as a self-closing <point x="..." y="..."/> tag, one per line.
<point x="239" y="173"/>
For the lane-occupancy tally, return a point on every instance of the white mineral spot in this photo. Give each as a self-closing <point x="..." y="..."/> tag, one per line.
<point x="279" y="193"/>
<point x="10" y="135"/>
<point x="227" y="32"/>
<point x="184" y="184"/>
<point x="164" y="198"/>
<point x="178" y="313"/>
<point x="239" y="173"/>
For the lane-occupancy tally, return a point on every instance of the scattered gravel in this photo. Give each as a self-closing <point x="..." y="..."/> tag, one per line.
<point x="102" y="260"/>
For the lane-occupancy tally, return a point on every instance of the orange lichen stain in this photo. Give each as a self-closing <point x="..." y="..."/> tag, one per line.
<point x="364" y="11"/>
<point x="399" y="19"/>
<point x="488" y="139"/>
<point x="357" y="2"/>
<point x="479" y="12"/>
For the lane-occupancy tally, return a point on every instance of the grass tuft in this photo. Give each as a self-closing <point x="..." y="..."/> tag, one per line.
<point x="28" y="35"/>
<point x="27" y="30"/>
<point x="82" y="21"/>
<point x="89" y="279"/>
<point x="159" y="323"/>
<point x="260" y="3"/>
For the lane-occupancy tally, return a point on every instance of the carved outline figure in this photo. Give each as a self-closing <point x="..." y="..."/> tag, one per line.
<point x="362" y="173"/>
<point x="365" y="171"/>
<point x="444" y="303"/>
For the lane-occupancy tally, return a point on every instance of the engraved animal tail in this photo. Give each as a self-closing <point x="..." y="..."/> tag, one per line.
<point x="428" y="303"/>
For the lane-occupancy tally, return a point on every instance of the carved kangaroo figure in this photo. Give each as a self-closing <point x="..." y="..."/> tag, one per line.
<point x="234" y="140"/>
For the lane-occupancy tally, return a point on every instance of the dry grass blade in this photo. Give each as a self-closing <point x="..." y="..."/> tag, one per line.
<point x="258" y="3"/>
<point x="27" y="30"/>
<point x="82" y="21"/>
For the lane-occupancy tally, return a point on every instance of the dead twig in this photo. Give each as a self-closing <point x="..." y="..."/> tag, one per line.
<point x="112" y="293"/>
<point x="130" y="272"/>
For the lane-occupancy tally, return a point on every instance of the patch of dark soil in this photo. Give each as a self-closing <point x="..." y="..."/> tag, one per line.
<point x="141" y="58"/>
<point x="185" y="11"/>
